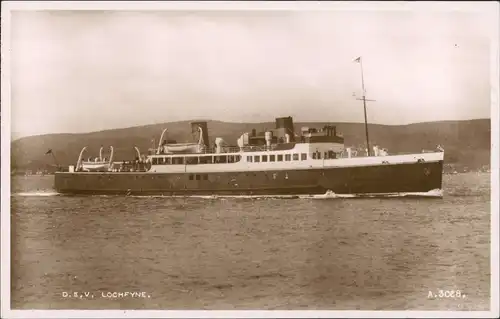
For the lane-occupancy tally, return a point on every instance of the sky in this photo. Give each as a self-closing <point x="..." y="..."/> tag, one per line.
<point x="82" y="71"/>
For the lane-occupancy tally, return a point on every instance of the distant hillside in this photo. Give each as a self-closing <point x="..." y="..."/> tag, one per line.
<point x="466" y="143"/>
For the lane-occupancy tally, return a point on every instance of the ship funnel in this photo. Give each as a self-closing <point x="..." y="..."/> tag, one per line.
<point x="100" y="153"/>
<point x="196" y="126"/>
<point x="285" y="124"/>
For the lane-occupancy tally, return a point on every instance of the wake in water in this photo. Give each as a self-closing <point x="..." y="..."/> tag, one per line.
<point x="37" y="193"/>
<point x="436" y="193"/>
<point x="329" y="194"/>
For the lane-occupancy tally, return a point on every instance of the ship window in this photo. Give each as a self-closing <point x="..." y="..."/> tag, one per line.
<point x="191" y="160"/>
<point x="288" y="157"/>
<point x="198" y="177"/>
<point x="249" y="159"/>
<point x="280" y="158"/>
<point x="190" y="177"/>
<point x="230" y="159"/>
<point x="155" y="161"/>
<point x="303" y="156"/>
<point x="168" y="160"/>
<point x="221" y="159"/>
<point x="205" y="159"/>
<point x="315" y="155"/>
<point x="326" y="155"/>
<point x="272" y="158"/>
<point x="177" y="160"/>
<point x="237" y="158"/>
<point x="256" y="158"/>
<point x="264" y="158"/>
<point x="295" y="157"/>
<point x="319" y="155"/>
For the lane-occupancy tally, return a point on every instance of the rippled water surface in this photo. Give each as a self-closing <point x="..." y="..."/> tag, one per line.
<point x="237" y="253"/>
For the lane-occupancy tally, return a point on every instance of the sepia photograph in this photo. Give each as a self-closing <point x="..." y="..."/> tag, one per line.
<point x="250" y="159"/>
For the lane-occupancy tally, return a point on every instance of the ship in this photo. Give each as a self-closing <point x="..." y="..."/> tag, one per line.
<point x="274" y="162"/>
<point x="279" y="161"/>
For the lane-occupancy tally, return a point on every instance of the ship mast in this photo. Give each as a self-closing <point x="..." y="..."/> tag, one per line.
<point x="364" y="99"/>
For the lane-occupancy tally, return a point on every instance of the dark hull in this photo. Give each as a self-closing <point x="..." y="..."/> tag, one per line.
<point x="380" y="179"/>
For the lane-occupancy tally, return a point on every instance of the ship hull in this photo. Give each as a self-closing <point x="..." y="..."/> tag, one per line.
<point x="364" y="180"/>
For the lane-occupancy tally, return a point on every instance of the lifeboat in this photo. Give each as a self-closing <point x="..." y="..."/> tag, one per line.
<point x="99" y="164"/>
<point x="183" y="148"/>
<point x="95" y="166"/>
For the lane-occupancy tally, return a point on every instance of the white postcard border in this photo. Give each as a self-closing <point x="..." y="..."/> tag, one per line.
<point x="492" y="9"/>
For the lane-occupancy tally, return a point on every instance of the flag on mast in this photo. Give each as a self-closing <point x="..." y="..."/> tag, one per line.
<point x="358" y="60"/>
